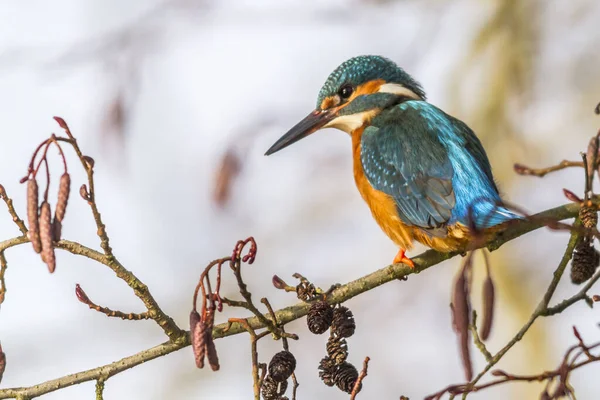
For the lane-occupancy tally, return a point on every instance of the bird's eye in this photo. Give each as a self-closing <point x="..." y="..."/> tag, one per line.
<point x="345" y="91"/>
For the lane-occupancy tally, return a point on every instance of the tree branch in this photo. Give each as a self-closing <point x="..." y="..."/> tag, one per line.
<point x="284" y="316"/>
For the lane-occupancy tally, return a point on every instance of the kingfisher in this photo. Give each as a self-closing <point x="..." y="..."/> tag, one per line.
<point x="423" y="173"/>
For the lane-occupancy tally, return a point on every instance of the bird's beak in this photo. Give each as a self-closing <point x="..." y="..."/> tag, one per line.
<point x="312" y="123"/>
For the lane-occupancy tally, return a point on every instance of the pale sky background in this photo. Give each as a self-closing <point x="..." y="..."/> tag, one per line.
<point x="197" y="78"/>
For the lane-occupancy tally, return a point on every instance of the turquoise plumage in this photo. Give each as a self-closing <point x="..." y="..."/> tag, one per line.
<point x="423" y="173"/>
<point x="433" y="166"/>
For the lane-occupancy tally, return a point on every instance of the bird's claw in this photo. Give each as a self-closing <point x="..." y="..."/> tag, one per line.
<point x="402" y="259"/>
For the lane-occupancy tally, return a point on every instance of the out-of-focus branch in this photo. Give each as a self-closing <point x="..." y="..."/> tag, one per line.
<point x="541" y="172"/>
<point x="284" y="316"/>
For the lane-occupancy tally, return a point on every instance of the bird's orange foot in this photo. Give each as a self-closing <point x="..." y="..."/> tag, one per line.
<point x="402" y="259"/>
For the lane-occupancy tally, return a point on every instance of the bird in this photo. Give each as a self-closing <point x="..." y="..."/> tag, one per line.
<point x="423" y="173"/>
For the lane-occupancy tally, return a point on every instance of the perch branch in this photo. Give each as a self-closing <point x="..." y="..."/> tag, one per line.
<point x="284" y="316"/>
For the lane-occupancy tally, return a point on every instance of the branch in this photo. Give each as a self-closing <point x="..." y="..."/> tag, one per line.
<point x="83" y="297"/>
<point x="542" y="308"/>
<point x="284" y="316"/>
<point x="361" y="377"/>
<point x="13" y="213"/>
<point x="541" y="172"/>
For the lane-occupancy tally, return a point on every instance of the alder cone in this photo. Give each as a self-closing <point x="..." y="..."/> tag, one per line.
<point x="337" y="349"/>
<point x="282" y="366"/>
<point x="584" y="262"/>
<point x="327" y="369"/>
<point x="343" y="323"/>
<point x="345" y="377"/>
<point x="319" y="317"/>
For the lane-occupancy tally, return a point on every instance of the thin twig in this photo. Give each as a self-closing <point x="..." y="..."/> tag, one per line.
<point x="358" y="383"/>
<point x="83" y="297"/>
<point x="541" y="172"/>
<point x="478" y="343"/>
<point x="3" y="267"/>
<point x="99" y="389"/>
<point x="236" y="264"/>
<point x="101" y="228"/>
<point x="254" y="338"/>
<point x="13" y="213"/>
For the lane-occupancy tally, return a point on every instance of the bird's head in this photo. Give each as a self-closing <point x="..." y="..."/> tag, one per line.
<point x="353" y="94"/>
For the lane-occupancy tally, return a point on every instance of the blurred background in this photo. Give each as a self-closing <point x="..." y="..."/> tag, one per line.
<point x="177" y="102"/>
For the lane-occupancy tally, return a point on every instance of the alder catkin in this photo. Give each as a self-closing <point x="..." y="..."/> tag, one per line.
<point x="211" y="351"/>
<point x="345" y="377"/>
<point x="56" y="229"/>
<point x="197" y="333"/>
<point x="488" y="307"/>
<point x="460" y="316"/>
<point x="64" y="189"/>
<point x="46" y="236"/>
<point x="33" y="215"/>
<point x="2" y="363"/>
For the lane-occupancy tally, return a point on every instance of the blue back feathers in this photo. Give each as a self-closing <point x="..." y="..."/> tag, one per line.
<point x="433" y="166"/>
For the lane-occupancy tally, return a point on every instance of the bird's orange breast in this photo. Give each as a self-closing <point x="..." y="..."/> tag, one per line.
<point x="384" y="210"/>
<point x="381" y="204"/>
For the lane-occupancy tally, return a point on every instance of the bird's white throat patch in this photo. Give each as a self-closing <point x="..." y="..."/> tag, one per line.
<point x="351" y="122"/>
<point x="398" y="89"/>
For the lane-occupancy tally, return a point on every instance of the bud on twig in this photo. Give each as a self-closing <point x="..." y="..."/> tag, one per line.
<point x="89" y="162"/>
<point x="32" y="215"/>
<point x="571" y="196"/>
<point x="83" y="192"/>
<point x="279" y="283"/>
<point x="520" y="168"/>
<point x="81" y="295"/>
<point x="46" y="237"/>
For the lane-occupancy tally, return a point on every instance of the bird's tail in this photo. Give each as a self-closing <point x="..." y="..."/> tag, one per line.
<point x="485" y="214"/>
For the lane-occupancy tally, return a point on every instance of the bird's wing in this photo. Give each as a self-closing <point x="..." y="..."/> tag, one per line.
<point x="406" y="160"/>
